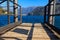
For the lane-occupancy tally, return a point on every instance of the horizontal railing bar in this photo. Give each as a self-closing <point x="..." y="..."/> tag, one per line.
<point x="53" y="29"/>
<point x="57" y="3"/>
<point x="15" y="3"/>
<point x="2" y="1"/>
<point x="8" y="27"/>
<point x="6" y="14"/>
<point x="55" y="15"/>
<point x="6" y="6"/>
<point x="49" y="2"/>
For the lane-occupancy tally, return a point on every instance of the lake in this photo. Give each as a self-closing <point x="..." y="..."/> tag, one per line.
<point x="27" y="19"/>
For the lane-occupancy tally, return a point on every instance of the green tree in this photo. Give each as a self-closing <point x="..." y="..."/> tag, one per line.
<point x="1" y="10"/>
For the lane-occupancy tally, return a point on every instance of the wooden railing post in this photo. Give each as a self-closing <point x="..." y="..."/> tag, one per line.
<point x="20" y="14"/>
<point x="49" y="11"/>
<point x="8" y="12"/>
<point x="52" y="11"/>
<point x="45" y="14"/>
<point x="15" y="11"/>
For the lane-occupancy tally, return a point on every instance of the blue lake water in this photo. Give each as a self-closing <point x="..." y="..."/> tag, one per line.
<point x="57" y="22"/>
<point x="27" y="19"/>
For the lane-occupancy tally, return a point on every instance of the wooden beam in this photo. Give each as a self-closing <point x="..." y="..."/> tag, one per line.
<point x="54" y="10"/>
<point x="15" y="3"/>
<point x="51" y="12"/>
<point x="49" y="6"/>
<point x="44" y="14"/>
<point x="20" y="14"/>
<point x="15" y="11"/>
<point x="8" y="11"/>
<point x="3" y="1"/>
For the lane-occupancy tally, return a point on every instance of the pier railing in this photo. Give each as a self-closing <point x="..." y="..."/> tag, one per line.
<point x="9" y="13"/>
<point x="52" y="15"/>
<point x="49" y="16"/>
<point x="9" y="16"/>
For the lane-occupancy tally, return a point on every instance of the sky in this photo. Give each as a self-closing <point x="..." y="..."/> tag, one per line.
<point x="30" y="3"/>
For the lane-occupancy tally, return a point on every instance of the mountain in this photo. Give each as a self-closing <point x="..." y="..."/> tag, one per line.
<point x="24" y="10"/>
<point x="57" y="11"/>
<point x="58" y="1"/>
<point x="37" y="11"/>
<point x="30" y="11"/>
<point x="27" y="10"/>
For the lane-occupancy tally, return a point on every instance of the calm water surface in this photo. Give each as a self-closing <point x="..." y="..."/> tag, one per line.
<point x="27" y="19"/>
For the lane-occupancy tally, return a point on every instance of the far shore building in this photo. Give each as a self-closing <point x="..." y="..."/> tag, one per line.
<point x="6" y="12"/>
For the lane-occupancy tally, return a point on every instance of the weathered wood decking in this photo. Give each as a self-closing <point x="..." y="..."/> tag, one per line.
<point x="29" y="31"/>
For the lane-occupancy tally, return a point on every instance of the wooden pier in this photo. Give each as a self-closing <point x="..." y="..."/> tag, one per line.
<point x="29" y="31"/>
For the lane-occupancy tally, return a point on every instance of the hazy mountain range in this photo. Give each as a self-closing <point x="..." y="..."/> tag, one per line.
<point x="25" y="10"/>
<point x="37" y="11"/>
<point x="29" y="10"/>
<point x="34" y="10"/>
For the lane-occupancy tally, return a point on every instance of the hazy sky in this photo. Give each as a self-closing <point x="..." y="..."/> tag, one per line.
<point x="29" y="3"/>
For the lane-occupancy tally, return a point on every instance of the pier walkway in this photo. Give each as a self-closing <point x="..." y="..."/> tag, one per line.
<point x="29" y="31"/>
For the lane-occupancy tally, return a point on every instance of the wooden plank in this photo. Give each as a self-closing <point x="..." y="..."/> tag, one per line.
<point x="15" y="35"/>
<point x="35" y="32"/>
<point x="8" y="27"/>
